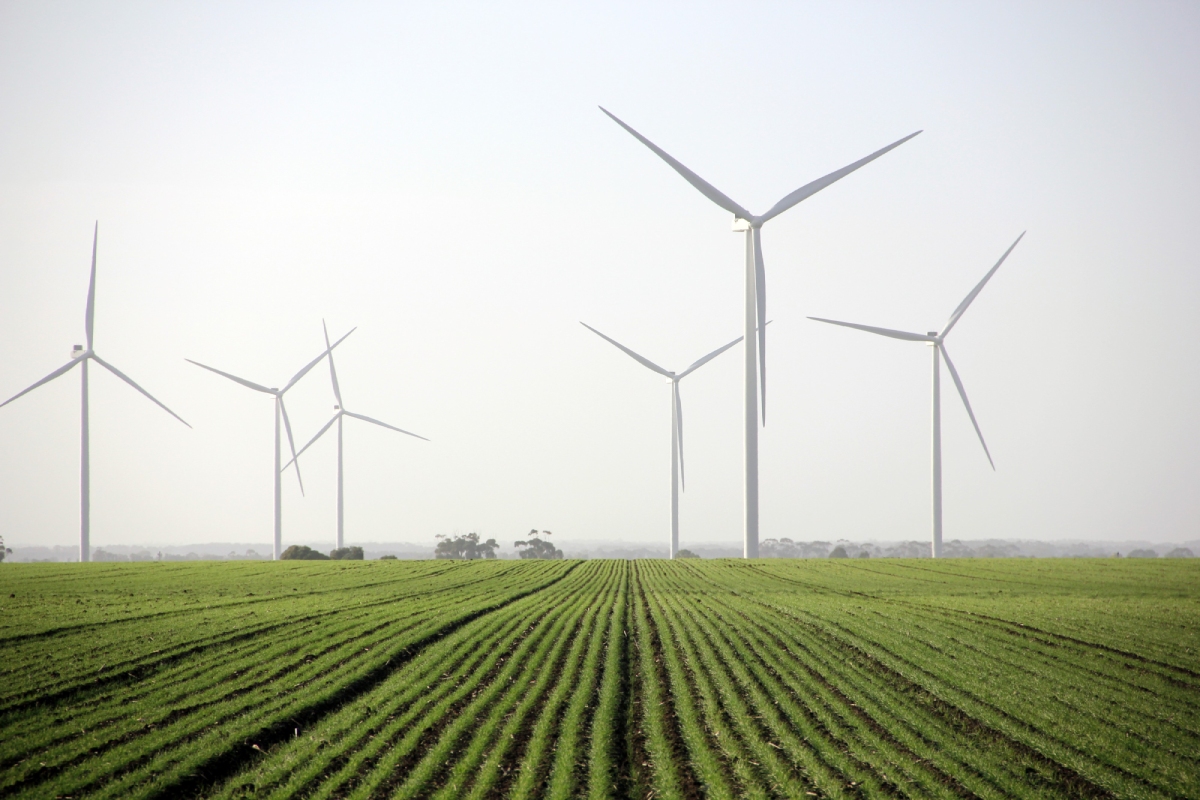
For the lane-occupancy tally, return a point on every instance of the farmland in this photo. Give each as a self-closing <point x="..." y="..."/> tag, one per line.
<point x="774" y="678"/>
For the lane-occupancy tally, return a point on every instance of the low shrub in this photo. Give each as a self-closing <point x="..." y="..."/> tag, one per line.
<point x="299" y="552"/>
<point x="347" y="554"/>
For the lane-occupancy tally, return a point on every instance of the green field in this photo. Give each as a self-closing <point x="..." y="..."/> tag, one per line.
<point x="817" y="678"/>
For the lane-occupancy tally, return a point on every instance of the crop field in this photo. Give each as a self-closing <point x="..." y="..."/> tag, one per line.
<point x="642" y="679"/>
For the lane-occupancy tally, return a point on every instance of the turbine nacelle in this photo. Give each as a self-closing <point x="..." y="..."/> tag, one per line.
<point x="79" y="352"/>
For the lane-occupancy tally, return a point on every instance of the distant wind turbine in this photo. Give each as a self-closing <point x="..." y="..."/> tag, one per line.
<point x="280" y="411"/>
<point x="755" y="304"/>
<point x="340" y="412"/>
<point x="81" y="355"/>
<point x="938" y="342"/>
<point x="676" y="419"/>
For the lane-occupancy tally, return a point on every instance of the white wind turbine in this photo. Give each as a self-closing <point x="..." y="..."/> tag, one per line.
<point x="937" y="342"/>
<point x="280" y="411"/>
<point x="676" y="420"/>
<point x="340" y="412"/>
<point x="81" y="355"/>
<point x="755" y="304"/>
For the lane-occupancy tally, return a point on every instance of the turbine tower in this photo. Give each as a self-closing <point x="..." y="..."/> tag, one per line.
<point x="340" y="412"/>
<point x="280" y="411"/>
<point x="755" y="304"/>
<point x="676" y="420"/>
<point x="937" y="341"/>
<point x="81" y="355"/>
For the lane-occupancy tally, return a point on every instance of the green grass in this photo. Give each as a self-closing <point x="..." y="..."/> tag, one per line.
<point x="822" y="678"/>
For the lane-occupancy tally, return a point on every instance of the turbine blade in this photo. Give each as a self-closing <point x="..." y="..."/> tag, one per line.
<point x="962" y="307"/>
<point x="809" y="189"/>
<point x="130" y="381"/>
<point x="963" y="394"/>
<point x="706" y="188"/>
<point x="287" y="426"/>
<point x="65" y="368"/>
<point x="248" y="384"/>
<point x="314" y="362"/>
<point x="311" y="441"/>
<point x="760" y="290"/>
<point x="645" y="362"/>
<point x="337" y="391"/>
<point x="912" y="337"/>
<point x="679" y="433"/>
<point x="383" y="424"/>
<point x="89" y="318"/>
<point x="698" y="363"/>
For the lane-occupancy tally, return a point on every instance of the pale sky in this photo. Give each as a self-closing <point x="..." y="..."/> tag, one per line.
<point x="440" y="176"/>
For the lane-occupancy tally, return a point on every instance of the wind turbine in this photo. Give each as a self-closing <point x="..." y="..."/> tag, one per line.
<point x="82" y="355"/>
<point x="937" y="341"/>
<point x="755" y="303"/>
<point x="676" y="419"/>
<point x="340" y="412"/>
<point x="280" y="411"/>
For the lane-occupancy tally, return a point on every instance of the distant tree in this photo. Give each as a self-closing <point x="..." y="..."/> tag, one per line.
<point x="908" y="550"/>
<point x="956" y="549"/>
<point x="864" y="554"/>
<point x="466" y="547"/>
<point x="536" y="547"/>
<point x="1178" y="552"/>
<point x="686" y="554"/>
<point x="347" y="554"/>
<point x="299" y="552"/>
<point x="1147" y="553"/>
<point x="388" y="558"/>
<point x="4" y="550"/>
<point x="838" y="552"/>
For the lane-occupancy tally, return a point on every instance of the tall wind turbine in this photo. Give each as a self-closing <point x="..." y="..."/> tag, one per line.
<point x="676" y="419"/>
<point x="755" y="303"/>
<point x="81" y="355"/>
<point x="280" y="411"/>
<point x="937" y="341"/>
<point x="340" y="412"/>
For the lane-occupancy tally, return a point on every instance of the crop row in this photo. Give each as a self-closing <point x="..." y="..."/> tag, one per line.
<point x="510" y="704"/>
<point x="75" y="650"/>
<point x="606" y="679"/>
<point x="163" y="725"/>
<point x="983" y="712"/>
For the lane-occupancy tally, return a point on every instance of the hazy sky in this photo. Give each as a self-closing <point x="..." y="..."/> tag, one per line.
<point x="438" y="174"/>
